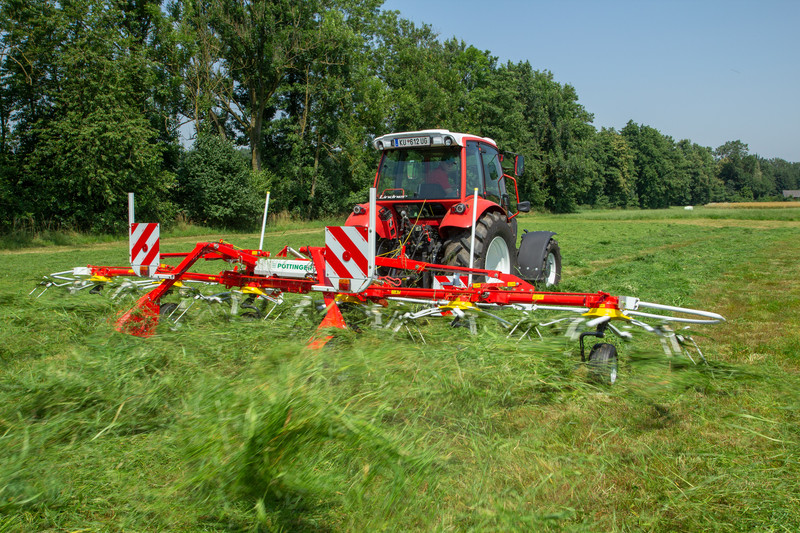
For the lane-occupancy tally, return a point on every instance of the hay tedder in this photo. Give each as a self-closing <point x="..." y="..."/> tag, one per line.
<point x="432" y="266"/>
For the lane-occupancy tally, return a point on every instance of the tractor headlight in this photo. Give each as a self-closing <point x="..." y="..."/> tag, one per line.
<point x="359" y="210"/>
<point x="448" y="141"/>
<point x="460" y="209"/>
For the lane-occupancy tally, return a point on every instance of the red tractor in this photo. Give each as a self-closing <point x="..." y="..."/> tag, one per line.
<point x="426" y="183"/>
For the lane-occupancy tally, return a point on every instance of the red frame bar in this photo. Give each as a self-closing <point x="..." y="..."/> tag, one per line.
<point x="142" y="319"/>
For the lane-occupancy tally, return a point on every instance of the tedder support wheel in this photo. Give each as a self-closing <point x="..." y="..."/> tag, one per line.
<point x="494" y="245"/>
<point x="167" y="309"/>
<point x="551" y="270"/>
<point x="603" y="363"/>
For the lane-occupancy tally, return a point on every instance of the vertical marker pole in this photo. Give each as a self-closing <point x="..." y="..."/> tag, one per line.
<point x="264" y="223"/>
<point x="131" y="218"/>
<point x="472" y="238"/>
<point x="373" y="208"/>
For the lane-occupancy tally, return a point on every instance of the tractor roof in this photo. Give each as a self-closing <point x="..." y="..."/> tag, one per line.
<point x="424" y="138"/>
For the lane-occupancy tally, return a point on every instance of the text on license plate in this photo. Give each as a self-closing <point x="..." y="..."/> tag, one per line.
<point x="412" y="141"/>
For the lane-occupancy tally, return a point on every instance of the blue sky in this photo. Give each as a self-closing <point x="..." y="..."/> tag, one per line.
<point x="709" y="71"/>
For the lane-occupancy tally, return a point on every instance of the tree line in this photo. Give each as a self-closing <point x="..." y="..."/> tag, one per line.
<point x="285" y="96"/>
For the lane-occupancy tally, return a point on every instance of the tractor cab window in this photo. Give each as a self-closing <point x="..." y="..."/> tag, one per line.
<point x="492" y="173"/>
<point x="424" y="174"/>
<point x="484" y="172"/>
<point x="474" y="169"/>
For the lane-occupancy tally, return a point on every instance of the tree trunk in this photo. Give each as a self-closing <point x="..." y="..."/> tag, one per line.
<point x="256" y="126"/>
<point x="316" y="166"/>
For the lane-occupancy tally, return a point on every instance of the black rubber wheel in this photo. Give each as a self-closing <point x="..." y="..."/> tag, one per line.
<point x="167" y="309"/>
<point x="551" y="268"/>
<point x="603" y="363"/>
<point x="494" y="246"/>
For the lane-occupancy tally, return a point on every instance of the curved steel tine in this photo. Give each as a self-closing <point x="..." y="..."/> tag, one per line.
<point x="572" y="330"/>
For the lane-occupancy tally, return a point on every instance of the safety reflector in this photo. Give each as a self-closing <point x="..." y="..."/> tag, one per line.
<point x="144" y="248"/>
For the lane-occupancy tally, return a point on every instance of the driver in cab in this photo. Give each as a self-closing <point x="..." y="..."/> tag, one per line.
<point x="446" y="176"/>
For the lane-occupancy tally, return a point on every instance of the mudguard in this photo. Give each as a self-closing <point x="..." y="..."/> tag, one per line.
<point x="464" y="220"/>
<point x="530" y="256"/>
<point x="387" y="229"/>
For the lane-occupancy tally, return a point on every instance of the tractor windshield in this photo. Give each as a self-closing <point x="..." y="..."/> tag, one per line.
<point x="431" y="173"/>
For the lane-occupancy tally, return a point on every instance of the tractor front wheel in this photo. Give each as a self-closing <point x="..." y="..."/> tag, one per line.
<point x="494" y="246"/>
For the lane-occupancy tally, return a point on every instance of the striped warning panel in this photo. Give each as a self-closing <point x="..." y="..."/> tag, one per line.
<point x="454" y="281"/>
<point x="144" y="248"/>
<point x="346" y="250"/>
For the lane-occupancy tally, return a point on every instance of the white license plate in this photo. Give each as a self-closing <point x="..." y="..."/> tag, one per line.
<point x="411" y="141"/>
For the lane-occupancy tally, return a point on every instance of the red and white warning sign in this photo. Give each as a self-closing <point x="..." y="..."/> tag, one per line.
<point x="347" y="257"/>
<point x="145" y="254"/>
<point x="454" y="281"/>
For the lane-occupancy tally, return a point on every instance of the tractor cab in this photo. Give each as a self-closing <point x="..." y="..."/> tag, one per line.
<point x="431" y="176"/>
<point x="432" y="186"/>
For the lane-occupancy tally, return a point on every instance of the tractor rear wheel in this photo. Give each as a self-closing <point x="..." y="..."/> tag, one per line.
<point x="494" y="246"/>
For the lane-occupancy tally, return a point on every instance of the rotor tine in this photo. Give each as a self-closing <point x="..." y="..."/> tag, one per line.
<point x="665" y="346"/>
<point x="503" y="321"/>
<point x="619" y="333"/>
<point x="696" y="347"/>
<point x="184" y="311"/>
<point x="572" y="330"/>
<point x="536" y="329"/>
<point x="514" y="329"/>
<point x="274" y="306"/>
<point x="647" y="327"/>
<point x="42" y="292"/>
<point x="673" y="339"/>
<point x="421" y="336"/>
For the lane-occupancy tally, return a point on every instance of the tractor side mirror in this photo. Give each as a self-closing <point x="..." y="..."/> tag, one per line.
<point x="524" y="207"/>
<point x="519" y="165"/>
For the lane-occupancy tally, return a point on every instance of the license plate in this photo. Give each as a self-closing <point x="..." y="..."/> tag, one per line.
<point x="404" y="142"/>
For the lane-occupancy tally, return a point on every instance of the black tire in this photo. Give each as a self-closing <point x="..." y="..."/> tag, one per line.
<point x="254" y="312"/>
<point x="551" y="267"/>
<point x="603" y="363"/>
<point x="167" y="309"/>
<point x="492" y="232"/>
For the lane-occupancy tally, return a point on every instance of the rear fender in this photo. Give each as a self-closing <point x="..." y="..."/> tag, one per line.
<point x="387" y="226"/>
<point x="531" y="253"/>
<point x="457" y="221"/>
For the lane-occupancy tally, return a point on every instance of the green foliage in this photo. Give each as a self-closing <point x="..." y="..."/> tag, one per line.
<point x="613" y="182"/>
<point x="84" y="113"/>
<point x="92" y="93"/>
<point x="214" y="185"/>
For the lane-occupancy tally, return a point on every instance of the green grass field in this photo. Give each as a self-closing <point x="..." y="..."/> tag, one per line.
<point x="229" y="425"/>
